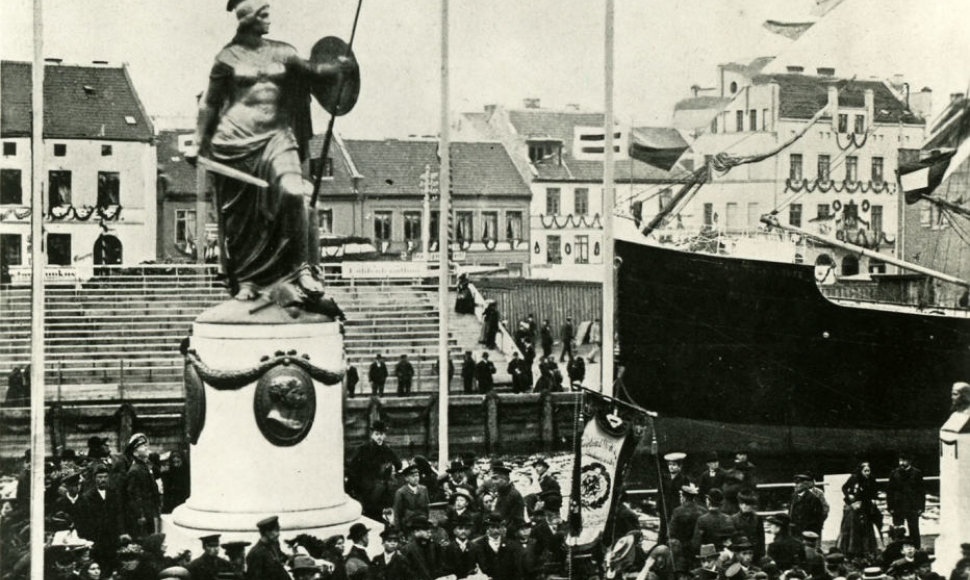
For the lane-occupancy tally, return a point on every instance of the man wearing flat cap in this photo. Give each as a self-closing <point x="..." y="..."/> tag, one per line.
<point x="411" y="498"/>
<point x="509" y="503"/>
<point x="806" y="509"/>
<point x="236" y="552"/>
<point x="371" y="471"/>
<point x="209" y="564"/>
<point x="681" y="529"/>
<point x="265" y="560"/>
<point x="142" y="501"/>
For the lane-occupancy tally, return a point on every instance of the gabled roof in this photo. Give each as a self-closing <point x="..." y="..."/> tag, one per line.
<point x="541" y="123"/>
<point x="702" y="103"/>
<point x="394" y="167"/>
<point x="801" y="96"/>
<point x="80" y="102"/>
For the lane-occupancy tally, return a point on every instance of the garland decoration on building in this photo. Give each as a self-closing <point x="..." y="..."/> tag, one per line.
<point x="825" y="186"/>
<point x="71" y="212"/>
<point x="233" y="380"/>
<point x="571" y="220"/>
<point x="852" y="141"/>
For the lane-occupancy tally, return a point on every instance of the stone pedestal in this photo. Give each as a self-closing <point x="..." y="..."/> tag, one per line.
<point x="267" y="428"/>
<point x="954" y="491"/>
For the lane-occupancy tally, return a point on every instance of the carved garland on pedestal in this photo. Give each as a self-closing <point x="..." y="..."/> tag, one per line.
<point x="284" y="403"/>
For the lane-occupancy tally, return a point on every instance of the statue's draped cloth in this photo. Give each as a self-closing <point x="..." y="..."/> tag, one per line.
<point x="266" y="233"/>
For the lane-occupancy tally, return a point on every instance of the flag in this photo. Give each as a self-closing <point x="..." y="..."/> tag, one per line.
<point x="609" y="436"/>
<point x="922" y="177"/>
<point x="657" y="146"/>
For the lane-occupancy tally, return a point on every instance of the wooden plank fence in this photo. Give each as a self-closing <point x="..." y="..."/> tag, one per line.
<point x="555" y="300"/>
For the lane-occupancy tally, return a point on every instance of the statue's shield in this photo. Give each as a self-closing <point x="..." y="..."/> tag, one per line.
<point x="339" y="96"/>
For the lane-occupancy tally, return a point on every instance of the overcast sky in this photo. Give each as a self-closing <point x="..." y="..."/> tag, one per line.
<point x="505" y="50"/>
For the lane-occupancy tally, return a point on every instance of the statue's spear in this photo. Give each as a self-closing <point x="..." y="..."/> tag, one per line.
<point x="336" y="103"/>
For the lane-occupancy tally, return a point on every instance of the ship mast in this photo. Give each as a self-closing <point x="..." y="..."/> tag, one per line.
<point x="772" y="220"/>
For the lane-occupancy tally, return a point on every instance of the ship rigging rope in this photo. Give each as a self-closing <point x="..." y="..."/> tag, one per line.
<point x="724" y="161"/>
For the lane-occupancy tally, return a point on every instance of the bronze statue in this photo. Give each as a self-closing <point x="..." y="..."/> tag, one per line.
<point x="254" y="117"/>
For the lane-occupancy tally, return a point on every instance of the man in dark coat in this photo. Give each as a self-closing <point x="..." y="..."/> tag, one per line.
<point x="142" y="499"/>
<point x="210" y="564"/>
<point x="389" y="564"/>
<point x="423" y="558"/>
<point x="265" y="560"/>
<point x="748" y="523"/>
<point x="683" y="521"/>
<point x="517" y="370"/>
<point x="468" y="373"/>
<point x="672" y="482"/>
<point x="352" y="379"/>
<point x="576" y="369"/>
<point x="99" y="517"/>
<point x="509" y="504"/>
<point x="457" y="554"/>
<point x="495" y="556"/>
<point x="567" y="335"/>
<point x="961" y="571"/>
<point x="714" y="527"/>
<point x="370" y="472"/>
<point x="69" y="502"/>
<point x="713" y="477"/>
<point x="806" y="511"/>
<point x="377" y="375"/>
<point x="359" y="540"/>
<point x="404" y="372"/>
<point x="905" y="495"/>
<point x="545" y="338"/>
<point x="483" y="374"/>
<point x="786" y="551"/>
<point x="411" y="499"/>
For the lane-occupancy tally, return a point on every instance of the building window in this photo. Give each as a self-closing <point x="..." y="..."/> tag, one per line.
<point x="382" y="226"/>
<point x="582" y="249"/>
<point x="60" y="188"/>
<point x="852" y="168"/>
<point x="109" y="188"/>
<point x="552" y="200"/>
<point x="539" y="152"/>
<point x="315" y="165"/>
<point x="581" y="201"/>
<point x="60" y="149"/>
<point x="708" y="214"/>
<point x="107" y="150"/>
<point x="466" y="226"/>
<point x="753" y="120"/>
<point x="926" y="215"/>
<point x="666" y="196"/>
<point x="850" y="265"/>
<point x="795" y="215"/>
<point x="325" y="221"/>
<point x="876" y="266"/>
<point x="732" y="217"/>
<point x="554" y="250"/>
<point x="11" y="250"/>
<point x="513" y="225"/>
<point x="9" y="148"/>
<point x="823" y="211"/>
<point x="754" y="214"/>
<point x="877" y="170"/>
<point x="795" y="167"/>
<point x="876" y="221"/>
<point x="184" y="226"/>
<point x="433" y="227"/>
<point x="11" y="187"/>
<point x="734" y="87"/>
<point x="824" y="168"/>
<point x="843" y="123"/>
<point x="764" y="119"/>
<point x="412" y="226"/>
<point x="490" y="225"/>
<point x="59" y="249"/>
<point x="860" y="124"/>
<point x="739" y="120"/>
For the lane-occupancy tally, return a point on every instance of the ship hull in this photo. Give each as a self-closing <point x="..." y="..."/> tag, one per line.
<point x="749" y="351"/>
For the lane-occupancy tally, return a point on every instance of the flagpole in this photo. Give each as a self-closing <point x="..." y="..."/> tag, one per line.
<point x="444" y="192"/>
<point x="37" y="263"/>
<point x="609" y="198"/>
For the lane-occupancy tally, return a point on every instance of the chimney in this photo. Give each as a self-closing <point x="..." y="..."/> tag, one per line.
<point x="870" y="106"/>
<point x="531" y="103"/>
<point x="54" y="60"/>
<point x="956" y="97"/>
<point x="825" y="71"/>
<point x="490" y="109"/>
<point x="694" y="90"/>
<point x="99" y="62"/>
<point x="898" y="80"/>
<point x="921" y="103"/>
<point x="833" y="106"/>
<point x="794" y="69"/>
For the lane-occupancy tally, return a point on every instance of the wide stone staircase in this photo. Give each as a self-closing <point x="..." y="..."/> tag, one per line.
<point x="117" y="337"/>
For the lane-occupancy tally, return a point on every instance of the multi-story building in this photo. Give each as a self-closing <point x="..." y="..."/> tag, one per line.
<point x="836" y="179"/>
<point x="177" y="207"/>
<point x="560" y="154"/>
<point x="99" y="168"/>
<point x="375" y="189"/>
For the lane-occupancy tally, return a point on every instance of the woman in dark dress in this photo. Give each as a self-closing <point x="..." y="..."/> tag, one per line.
<point x="857" y="536"/>
<point x="255" y="117"/>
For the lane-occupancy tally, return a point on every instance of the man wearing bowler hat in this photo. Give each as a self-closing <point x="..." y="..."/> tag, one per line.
<point x="265" y="560"/>
<point x="494" y="555"/>
<point x="457" y="554"/>
<point x="210" y="564"/>
<point x="905" y="495"/>
<point x="370" y="472"/>
<point x="141" y="491"/>
<point x="359" y="540"/>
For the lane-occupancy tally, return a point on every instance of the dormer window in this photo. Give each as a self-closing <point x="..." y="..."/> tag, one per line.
<point x="545" y="152"/>
<point x="843" y="123"/>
